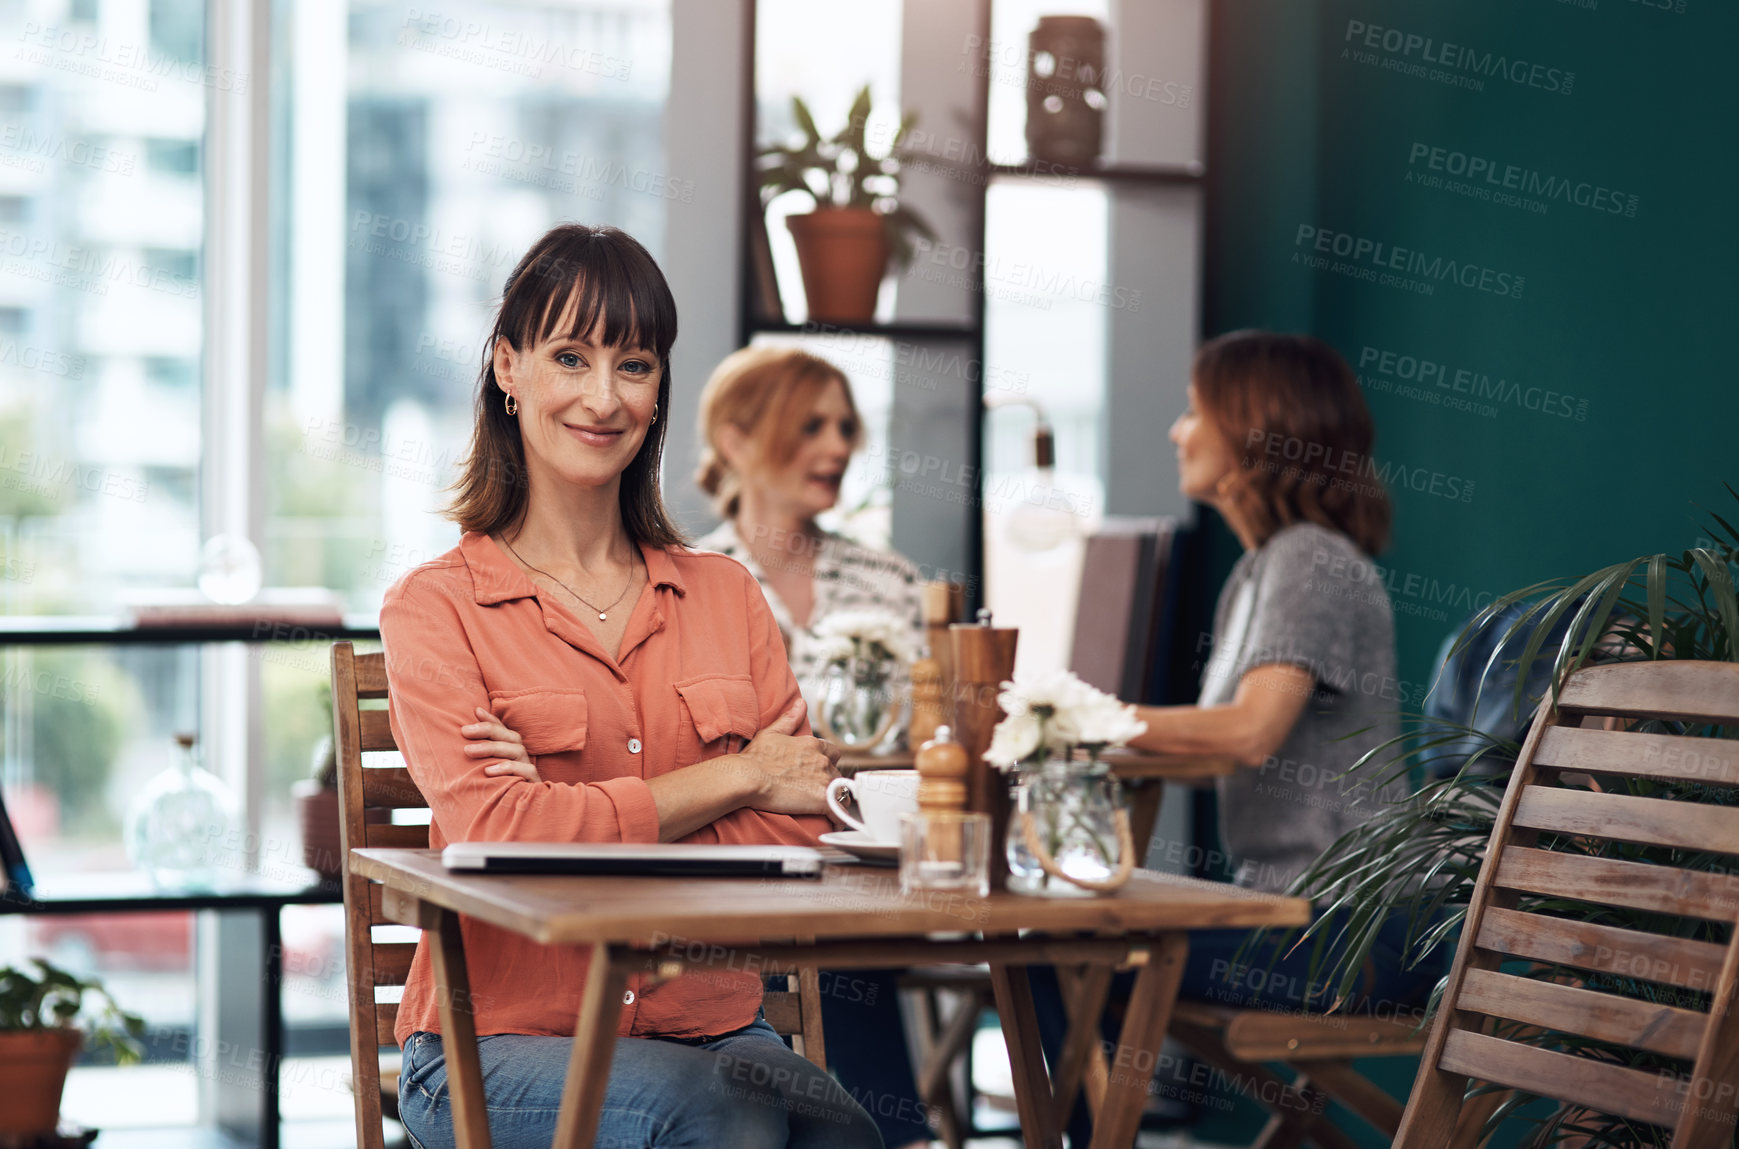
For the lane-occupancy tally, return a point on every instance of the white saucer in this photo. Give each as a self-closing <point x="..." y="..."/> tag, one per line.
<point x="861" y="844"/>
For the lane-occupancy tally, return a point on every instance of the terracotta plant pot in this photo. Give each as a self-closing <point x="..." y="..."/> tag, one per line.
<point x="843" y="252"/>
<point x="33" y="1064"/>
<point x="317" y="815"/>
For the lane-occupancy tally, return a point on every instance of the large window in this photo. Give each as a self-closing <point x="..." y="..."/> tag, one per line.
<point x="412" y="153"/>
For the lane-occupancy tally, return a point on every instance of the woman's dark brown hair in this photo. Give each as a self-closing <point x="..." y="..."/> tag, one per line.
<point x="1291" y="410"/>
<point x="619" y="297"/>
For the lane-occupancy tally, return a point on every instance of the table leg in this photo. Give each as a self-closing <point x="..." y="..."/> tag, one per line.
<point x="1026" y="1057"/>
<point x="594" y="1049"/>
<point x="272" y="1026"/>
<point x="1138" y="1045"/>
<point x="1084" y="993"/>
<point x="458" y="1028"/>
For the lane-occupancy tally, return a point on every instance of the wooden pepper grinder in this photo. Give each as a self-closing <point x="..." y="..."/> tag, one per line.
<point x="942" y="766"/>
<point x="983" y="661"/>
<point x="928" y="717"/>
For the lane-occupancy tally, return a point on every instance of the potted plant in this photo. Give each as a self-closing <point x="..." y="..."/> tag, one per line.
<point x="39" y="1038"/>
<point x="858" y="223"/>
<point x="1421" y="856"/>
<point x="316" y="798"/>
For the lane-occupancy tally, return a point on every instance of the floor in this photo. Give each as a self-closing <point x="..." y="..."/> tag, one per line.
<point x="156" y="1107"/>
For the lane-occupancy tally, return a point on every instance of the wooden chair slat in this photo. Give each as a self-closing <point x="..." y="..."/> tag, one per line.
<point x="386" y="1015"/>
<point x="1272" y="1035"/>
<point x="376" y="731"/>
<point x="1714" y="761"/>
<point x="392" y="788"/>
<point x="784" y="1011"/>
<point x="1604" y="949"/>
<point x="1650" y="821"/>
<point x="384" y="836"/>
<point x="1683" y="691"/>
<point x="1599" y="1085"/>
<point x="377" y="906"/>
<point x="1611" y="882"/>
<point x="1603" y="1016"/>
<point x="371" y="675"/>
<point x="392" y="962"/>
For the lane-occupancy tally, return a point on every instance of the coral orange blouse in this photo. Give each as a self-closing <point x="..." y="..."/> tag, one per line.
<point x="701" y="670"/>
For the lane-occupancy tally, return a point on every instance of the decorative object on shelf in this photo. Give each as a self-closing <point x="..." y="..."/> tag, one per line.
<point x="942" y="846"/>
<point x="859" y="223"/>
<point x="316" y="799"/>
<point x="182" y="823"/>
<point x="39" y="1038"/>
<point x="1065" y="97"/>
<point x="1069" y="836"/>
<point x="862" y="648"/>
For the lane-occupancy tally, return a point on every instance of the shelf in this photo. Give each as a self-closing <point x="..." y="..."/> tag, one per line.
<point x="1139" y="174"/>
<point x="106" y="630"/>
<point x="896" y="330"/>
<point x="130" y="892"/>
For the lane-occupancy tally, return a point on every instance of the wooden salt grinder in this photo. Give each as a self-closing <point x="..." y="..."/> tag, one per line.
<point x="983" y="661"/>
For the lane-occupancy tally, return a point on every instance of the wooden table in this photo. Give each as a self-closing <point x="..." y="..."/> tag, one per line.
<point x="852" y="917"/>
<point x="1143" y="774"/>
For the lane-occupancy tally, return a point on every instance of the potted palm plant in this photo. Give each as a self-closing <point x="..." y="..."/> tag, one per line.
<point x="39" y="1037"/>
<point x="1420" y="857"/>
<point x="858" y="223"/>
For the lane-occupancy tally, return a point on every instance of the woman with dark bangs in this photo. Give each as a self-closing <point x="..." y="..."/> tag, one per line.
<point x="646" y="684"/>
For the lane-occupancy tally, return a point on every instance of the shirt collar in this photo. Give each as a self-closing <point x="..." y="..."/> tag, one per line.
<point x="497" y="578"/>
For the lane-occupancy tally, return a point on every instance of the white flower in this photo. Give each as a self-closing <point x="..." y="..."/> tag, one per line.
<point x="834" y="648"/>
<point x="869" y="629"/>
<point x="1014" y="740"/>
<point x="1102" y="721"/>
<point x="1057" y="710"/>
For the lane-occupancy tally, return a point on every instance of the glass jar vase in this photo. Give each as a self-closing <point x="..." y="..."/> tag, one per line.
<point x="858" y="707"/>
<point x="1068" y="832"/>
<point x="182" y="824"/>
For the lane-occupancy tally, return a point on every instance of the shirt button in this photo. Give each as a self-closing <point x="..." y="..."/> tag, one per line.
<point x="633" y="745"/>
<point x="628" y="998"/>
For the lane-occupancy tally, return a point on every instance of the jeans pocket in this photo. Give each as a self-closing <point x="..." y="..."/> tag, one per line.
<point x="422" y="1057"/>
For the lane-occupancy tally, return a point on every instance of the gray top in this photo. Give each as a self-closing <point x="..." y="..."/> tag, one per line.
<point x="1308" y="597"/>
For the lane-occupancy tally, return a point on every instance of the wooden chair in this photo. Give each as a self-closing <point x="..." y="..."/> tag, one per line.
<point x="367" y="796"/>
<point x="1556" y="837"/>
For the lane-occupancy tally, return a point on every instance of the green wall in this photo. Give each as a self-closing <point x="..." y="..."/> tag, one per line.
<point x="1622" y="322"/>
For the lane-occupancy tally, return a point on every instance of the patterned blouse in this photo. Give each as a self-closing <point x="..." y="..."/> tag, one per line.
<point x="848" y="576"/>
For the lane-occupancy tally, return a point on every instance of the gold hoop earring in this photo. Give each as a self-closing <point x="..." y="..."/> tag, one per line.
<point x="654" y="414"/>
<point x="512" y="406"/>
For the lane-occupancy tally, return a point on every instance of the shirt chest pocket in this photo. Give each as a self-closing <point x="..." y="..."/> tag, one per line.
<point x="547" y="721"/>
<point x="720" y="714"/>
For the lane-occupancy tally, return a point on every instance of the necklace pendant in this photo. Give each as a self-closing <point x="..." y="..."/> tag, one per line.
<point x="601" y="617"/>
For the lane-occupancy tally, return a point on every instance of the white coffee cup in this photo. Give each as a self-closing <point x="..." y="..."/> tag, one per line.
<point x="881" y="796"/>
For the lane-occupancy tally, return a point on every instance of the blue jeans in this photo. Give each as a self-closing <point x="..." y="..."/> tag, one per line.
<point x="743" y="1090"/>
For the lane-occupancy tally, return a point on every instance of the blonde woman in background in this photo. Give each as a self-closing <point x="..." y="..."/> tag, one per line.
<point x="779" y="427"/>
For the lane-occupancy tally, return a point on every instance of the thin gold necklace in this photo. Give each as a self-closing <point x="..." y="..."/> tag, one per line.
<point x="602" y="616"/>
